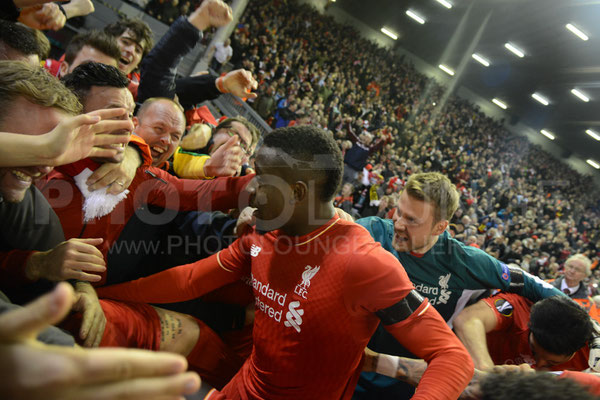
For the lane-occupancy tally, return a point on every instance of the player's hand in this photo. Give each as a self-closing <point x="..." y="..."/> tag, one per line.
<point x="245" y="221"/>
<point x="240" y="83"/>
<point x="226" y="160"/>
<point x="32" y="370"/>
<point x="73" y="259"/>
<point x="94" y="321"/>
<point x="512" y="368"/>
<point x="211" y="13"/>
<point x="116" y="176"/>
<point x="43" y="16"/>
<point x="81" y="136"/>
<point x="197" y="137"/>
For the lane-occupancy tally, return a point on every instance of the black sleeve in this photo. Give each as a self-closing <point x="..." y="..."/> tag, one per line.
<point x="196" y="89"/>
<point x="159" y="67"/>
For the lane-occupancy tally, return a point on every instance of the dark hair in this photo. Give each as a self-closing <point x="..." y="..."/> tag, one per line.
<point x="96" y="39"/>
<point x="559" y="325"/>
<point x="86" y="75"/>
<point x="23" y="39"/>
<point x="538" y="386"/>
<point x="226" y="123"/>
<point x="314" y="151"/>
<point x="139" y="28"/>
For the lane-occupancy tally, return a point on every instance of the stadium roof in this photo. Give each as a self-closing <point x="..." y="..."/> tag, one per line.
<point x="556" y="60"/>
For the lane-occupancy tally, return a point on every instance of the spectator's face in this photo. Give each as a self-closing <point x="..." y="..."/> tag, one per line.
<point x="161" y="126"/>
<point x="110" y="97"/>
<point x="414" y="227"/>
<point x="222" y="136"/>
<point x="575" y="271"/>
<point x="544" y="359"/>
<point x="86" y="54"/>
<point x="26" y="118"/>
<point x="132" y="51"/>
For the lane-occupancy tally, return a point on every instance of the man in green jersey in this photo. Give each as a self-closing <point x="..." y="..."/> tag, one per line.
<point x="442" y="269"/>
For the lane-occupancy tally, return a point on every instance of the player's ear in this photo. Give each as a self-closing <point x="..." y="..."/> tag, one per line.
<point x="439" y="227"/>
<point x="300" y="190"/>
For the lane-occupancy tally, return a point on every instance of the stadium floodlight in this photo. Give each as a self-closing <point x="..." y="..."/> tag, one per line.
<point x="389" y="33"/>
<point x="547" y="134"/>
<point x="500" y="104"/>
<point x="481" y="60"/>
<point x="593" y="134"/>
<point x="446" y="69"/>
<point x="540" y="98"/>
<point x="514" y="49"/>
<point x="593" y="164"/>
<point x="445" y="3"/>
<point x="582" y="96"/>
<point x="415" y="16"/>
<point x="577" y="32"/>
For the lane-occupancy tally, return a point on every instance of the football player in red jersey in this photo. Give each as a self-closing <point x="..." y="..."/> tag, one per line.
<point x="321" y="286"/>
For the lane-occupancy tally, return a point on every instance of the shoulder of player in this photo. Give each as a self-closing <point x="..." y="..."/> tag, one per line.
<point x="507" y="304"/>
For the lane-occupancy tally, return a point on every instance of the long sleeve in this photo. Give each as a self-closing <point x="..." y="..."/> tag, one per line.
<point x="159" y="67"/>
<point x="185" y="282"/>
<point x="450" y="367"/>
<point x="167" y="191"/>
<point x="189" y="165"/>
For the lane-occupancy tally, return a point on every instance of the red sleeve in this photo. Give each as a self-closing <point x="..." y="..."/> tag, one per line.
<point x="12" y="267"/>
<point x="590" y="381"/>
<point x="165" y="190"/>
<point x="449" y="365"/>
<point x="378" y="281"/>
<point x="502" y="305"/>
<point x="184" y="282"/>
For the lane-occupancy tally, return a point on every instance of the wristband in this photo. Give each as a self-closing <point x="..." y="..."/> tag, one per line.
<point x="387" y="365"/>
<point x="219" y="83"/>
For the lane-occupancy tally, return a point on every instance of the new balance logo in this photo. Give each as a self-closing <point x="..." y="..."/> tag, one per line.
<point x="293" y="316"/>
<point x="254" y="250"/>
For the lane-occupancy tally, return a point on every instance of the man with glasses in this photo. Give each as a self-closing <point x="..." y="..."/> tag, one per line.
<point x="232" y="144"/>
<point x="577" y="268"/>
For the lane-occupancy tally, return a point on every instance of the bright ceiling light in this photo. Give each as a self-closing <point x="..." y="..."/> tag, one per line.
<point x="582" y="96"/>
<point x="547" y="134"/>
<point x="593" y="164"/>
<point x="499" y="104"/>
<point x="481" y="59"/>
<point x="446" y="69"/>
<point x="577" y="32"/>
<point x="389" y="33"/>
<point x="540" y="98"/>
<point x="445" y="3"/>
<point x="514" y="49"/>
<point x="593" y="134"/>
<point x="415" y="16"/>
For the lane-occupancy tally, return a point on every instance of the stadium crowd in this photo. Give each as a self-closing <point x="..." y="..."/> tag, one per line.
<point x="279" y="298"/>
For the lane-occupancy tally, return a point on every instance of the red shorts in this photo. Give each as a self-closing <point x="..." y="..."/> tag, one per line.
<point x="129" y="324"/>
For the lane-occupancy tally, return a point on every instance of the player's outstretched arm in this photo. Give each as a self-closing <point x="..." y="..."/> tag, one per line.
<point x="185" y="282"/>
<point x="420" y="329"/>
<point x="471" y="326"/>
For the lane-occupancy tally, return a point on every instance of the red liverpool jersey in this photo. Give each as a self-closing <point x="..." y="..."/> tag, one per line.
<point x="509" y="342"/>
<point x="315" y="300"/>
